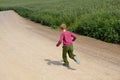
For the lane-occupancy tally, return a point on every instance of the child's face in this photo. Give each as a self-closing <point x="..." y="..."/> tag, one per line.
<point x="62" y="28"/>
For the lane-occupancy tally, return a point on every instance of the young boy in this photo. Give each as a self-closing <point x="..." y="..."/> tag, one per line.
<point x="67" y="38"/>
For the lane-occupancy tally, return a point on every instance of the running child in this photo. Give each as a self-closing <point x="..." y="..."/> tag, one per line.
<point x="67" y="39"/>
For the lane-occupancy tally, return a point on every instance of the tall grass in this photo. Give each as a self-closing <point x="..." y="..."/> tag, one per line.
<point x="95" y="18"/>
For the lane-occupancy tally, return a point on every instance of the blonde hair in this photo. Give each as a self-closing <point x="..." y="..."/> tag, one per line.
<point x="63" y="26"/>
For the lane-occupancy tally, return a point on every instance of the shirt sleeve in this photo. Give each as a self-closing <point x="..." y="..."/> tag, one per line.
<point x="73" y="36"/>
<point x="60" y="40"/>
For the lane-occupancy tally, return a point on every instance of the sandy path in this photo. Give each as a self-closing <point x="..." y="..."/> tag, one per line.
<point x="28" y="52"/>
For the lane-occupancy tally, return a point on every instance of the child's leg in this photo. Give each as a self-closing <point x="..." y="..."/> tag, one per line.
<point x="70" y="52"/>
<point x="64" y="54"/>
<point x="72" y="56"/>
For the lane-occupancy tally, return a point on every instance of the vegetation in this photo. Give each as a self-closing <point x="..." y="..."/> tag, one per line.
<point x="99" y="19"/>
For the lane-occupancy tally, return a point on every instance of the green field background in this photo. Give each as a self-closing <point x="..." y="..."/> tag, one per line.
<point x="99" y="19"/>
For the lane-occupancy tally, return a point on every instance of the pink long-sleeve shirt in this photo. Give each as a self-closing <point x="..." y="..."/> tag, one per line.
<point x="67" y="38"/>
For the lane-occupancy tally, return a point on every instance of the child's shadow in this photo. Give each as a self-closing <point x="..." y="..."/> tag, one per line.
<point x="58" y="63"/>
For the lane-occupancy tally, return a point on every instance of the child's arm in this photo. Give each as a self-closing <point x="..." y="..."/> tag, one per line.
<point x="60" y="40"/>
<point x="74" y="37"/>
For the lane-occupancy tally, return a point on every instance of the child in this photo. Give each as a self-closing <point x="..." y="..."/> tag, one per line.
<point x="67" y="38"/>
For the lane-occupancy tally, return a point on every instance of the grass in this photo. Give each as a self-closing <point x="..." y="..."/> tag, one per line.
<point x="99" y="19"/>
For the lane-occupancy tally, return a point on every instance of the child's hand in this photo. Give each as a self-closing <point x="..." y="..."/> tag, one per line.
<point x="57" y="45"/>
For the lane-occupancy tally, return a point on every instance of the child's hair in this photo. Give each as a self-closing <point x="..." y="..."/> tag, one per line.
<point x="63" y="26"/>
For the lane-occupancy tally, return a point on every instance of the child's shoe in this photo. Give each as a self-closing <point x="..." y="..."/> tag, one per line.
<point x="76" y="60"/>
<point x="66" y="65"/>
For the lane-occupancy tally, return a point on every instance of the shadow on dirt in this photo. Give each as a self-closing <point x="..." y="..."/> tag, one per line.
<point x="58" y="63"/>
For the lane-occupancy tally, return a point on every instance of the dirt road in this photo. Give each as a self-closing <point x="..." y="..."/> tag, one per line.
<point x="28" y="52"/>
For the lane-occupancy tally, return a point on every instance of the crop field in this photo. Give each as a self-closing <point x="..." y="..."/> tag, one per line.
<point x="99" y="19"/>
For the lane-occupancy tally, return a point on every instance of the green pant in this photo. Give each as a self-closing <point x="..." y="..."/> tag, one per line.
<point x="69" y="50"/>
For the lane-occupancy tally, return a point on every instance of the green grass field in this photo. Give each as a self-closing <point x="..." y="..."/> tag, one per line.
<point x="99" y="19"/>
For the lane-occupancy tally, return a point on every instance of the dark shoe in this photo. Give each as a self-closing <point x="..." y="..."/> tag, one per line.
<point x="66" y="65"/>
<point x="76" y="60"/>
